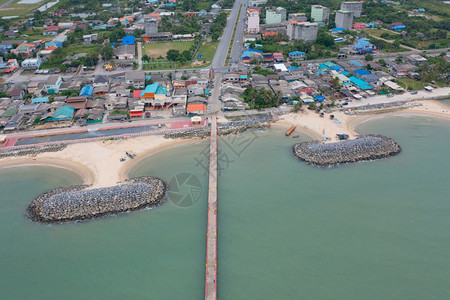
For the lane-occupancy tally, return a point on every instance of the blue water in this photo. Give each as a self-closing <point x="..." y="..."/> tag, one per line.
<point x="370" y="230"/>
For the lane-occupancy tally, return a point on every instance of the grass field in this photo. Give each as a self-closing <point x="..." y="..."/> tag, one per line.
<point x="16" y="9"/>
<point x="208" y="50"/>
<point x="411" y="84"/>
<point x="160" y="49"/>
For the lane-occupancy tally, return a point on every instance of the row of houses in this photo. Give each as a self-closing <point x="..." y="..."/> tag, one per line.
<point x="101" y="98"/>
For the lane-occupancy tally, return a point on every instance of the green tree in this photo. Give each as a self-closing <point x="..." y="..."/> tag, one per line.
<point x="107" y="51"/>
<point x="172" y="54"/>
<point x="368" y="57"/>
<point x="325" y="39"/>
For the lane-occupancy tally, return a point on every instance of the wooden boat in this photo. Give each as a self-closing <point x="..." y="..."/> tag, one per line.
<point x="295" y="136"/>
<point x="291" y="130"/>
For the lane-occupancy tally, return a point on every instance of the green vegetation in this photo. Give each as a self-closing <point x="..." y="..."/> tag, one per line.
<point x="323" y="47"/>
<point x="187" y="25"/>
<point x="218" y="25"/>
<point x="177" y="55"/>
<point x="265" y="72"/>
<point x="156" y="50"/>
<point x="261" y="98"/>
<point x="411" y="84"/>
<point x="59" y="55"/>
<point x="21" y="10"/>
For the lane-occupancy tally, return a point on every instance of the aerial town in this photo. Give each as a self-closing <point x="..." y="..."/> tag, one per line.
<point x="78" y="65"/>
<point x="315" y="133"/>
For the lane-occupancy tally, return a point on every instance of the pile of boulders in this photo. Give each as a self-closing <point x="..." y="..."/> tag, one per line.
<point x="367" y="147"/>
<point x="79" y="203"/>
<point x="32" y="150"/>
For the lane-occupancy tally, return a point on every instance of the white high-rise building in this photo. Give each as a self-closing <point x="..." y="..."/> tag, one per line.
<point x="253" y="22"/>
<point x="344" y="19"/>
<point x="354" y="6"/>
<point x="304" y="31"/>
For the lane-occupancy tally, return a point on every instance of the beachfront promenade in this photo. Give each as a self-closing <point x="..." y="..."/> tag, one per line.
<point x="211" y="236"/>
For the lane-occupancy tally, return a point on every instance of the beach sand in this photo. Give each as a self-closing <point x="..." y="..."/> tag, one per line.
<point x="310" y="123"/>
<point x="98" y="163"/>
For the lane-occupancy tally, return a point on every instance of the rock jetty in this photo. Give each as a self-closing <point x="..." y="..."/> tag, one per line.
<point x="31" y="150"/>
<point x="368" y="147"/>
<point x="236" y="126"/>
<point x="77" y="203"/>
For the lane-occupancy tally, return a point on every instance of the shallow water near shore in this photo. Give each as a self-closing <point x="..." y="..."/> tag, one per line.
<point x="370" y="230"/>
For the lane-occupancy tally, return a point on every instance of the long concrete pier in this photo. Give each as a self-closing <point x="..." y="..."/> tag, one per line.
<point x="211" y="235"/>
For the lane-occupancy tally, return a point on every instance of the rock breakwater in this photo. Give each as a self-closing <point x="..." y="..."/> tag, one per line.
<point x="77" y="203"/>
<point x="31" y="150"/>
<point x="368" y="147"/>
<point x="232" y="127"/>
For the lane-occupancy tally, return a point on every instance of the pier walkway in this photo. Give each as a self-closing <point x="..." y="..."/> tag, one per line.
<point x="211" y="236"/>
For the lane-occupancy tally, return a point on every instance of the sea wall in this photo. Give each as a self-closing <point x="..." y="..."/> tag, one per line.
<point x="31" y="150"/>
<point x="367" y="147"/>
<point x="236" y="126"/>
<point x="78" y="203"/>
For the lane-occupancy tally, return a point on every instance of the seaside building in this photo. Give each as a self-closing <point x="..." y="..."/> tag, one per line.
<point x="297" y="55"/>
<point x="354" y="6"/>
<point x="53" y="84"/>
<point x="253" y="22"/>
<point x="31" y="63"/>
<point x="275" y="15"/>
<point x="320" y="13"/>
<point x="344" y="19"/>
<point x="305" y="31"/>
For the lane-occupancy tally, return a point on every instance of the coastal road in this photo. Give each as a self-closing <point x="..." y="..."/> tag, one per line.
<point x="236" y="50"/>
<point x="222" y="50"/>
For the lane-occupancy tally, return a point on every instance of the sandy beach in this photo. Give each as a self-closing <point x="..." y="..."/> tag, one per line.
<point x="310" y="123"/>
<point x="98" y="163"/>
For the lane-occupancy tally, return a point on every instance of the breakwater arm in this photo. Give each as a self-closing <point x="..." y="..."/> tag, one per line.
<point x="367" y="147"/>
<point x="78" y="203"/>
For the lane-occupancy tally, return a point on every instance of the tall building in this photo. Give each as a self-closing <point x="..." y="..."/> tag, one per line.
<point x="150" y="26"/>
<point x="344" y="19"/>
<point x="320" y="13"/>
<point x="253" y="22"/>
<point x="304" y="31"/>
<point x="275" y="15"/>
<point x="354" y="6"/>
<point x="299" y="17"/>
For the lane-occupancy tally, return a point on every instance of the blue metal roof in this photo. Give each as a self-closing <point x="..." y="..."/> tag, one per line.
<point x="355" y="63"/>
<point x="40" y="100"/>
<point x="360" y="83"/>
<point x="361" y="72"/>
<point x="155" y="89"/>
<point x="128" y="40"/>
<point x="296" y="53"/>
<point x="87" y="91"/>
<point x="64" y="113"/>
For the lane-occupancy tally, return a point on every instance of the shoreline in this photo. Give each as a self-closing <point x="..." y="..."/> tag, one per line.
<point x="98" y="163"/>
<point x="100" y="167"/>
<point x="307" y="120"/>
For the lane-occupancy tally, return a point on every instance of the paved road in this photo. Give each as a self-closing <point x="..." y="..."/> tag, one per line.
<point x="236" y="51"/>
<point x="211" y="235"/>
<point x="139" y="48"/>
<point x="222" y="50"/>
<point x="6" y="4"/>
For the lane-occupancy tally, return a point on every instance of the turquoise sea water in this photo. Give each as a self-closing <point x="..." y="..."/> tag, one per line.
<point x="371" y="230"/>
